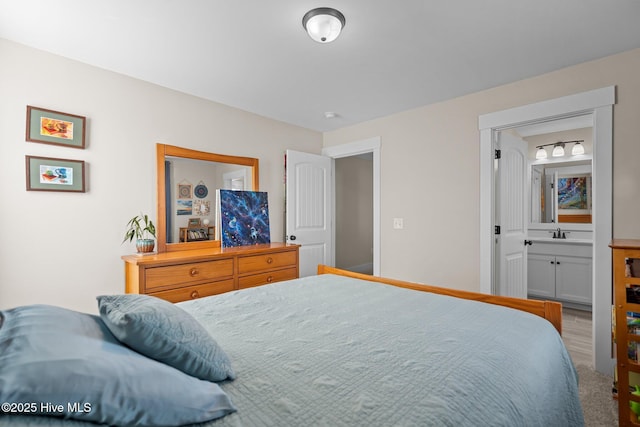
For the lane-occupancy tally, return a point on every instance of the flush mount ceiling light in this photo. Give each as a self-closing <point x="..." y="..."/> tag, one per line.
<point x="323" y="24"/>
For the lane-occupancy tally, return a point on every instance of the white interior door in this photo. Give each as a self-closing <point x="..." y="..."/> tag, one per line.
<point x="308" y="208"/>
<point x="511" y="215"/>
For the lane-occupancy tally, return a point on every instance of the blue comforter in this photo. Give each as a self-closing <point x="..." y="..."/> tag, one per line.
<point x="335" y="351"/>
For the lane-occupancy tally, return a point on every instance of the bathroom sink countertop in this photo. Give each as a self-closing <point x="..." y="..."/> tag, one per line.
<point x="566" y="241"/>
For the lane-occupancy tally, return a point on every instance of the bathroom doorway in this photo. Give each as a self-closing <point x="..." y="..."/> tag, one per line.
<point x="542" y="201"/>
<point x="598" y="102"/>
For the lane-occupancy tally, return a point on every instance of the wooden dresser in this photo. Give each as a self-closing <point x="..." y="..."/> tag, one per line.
<point x="184" y="275"/>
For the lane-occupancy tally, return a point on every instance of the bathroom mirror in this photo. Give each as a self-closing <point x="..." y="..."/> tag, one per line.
<point x="186" y="182"/>
<point x="561" y="192"/>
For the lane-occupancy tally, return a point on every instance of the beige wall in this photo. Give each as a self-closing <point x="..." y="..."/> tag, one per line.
<point x="64" y="248"/>
<point x="435" y="148"/>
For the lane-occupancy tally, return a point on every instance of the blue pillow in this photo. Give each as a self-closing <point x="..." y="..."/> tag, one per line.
<point x="167" y="333"/>
<point x="67" y="364"/>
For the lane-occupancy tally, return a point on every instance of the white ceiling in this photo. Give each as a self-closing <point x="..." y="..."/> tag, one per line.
<point x="392" y="55"/>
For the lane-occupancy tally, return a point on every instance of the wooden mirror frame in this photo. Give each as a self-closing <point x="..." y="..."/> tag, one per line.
<point x="162" y="151"/>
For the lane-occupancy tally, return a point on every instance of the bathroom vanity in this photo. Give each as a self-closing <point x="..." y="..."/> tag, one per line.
<point x="561" y="269"/>
<point x="560" y="232"/>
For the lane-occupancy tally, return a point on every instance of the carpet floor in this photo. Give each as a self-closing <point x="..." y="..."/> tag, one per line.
<point x="599" y="407"/>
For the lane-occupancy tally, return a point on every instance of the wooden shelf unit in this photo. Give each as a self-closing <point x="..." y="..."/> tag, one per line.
<point x="623" y="251"/>
<point x="205" y="232"/>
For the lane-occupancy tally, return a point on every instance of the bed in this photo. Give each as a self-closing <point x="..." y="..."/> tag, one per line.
<point x="345" y="349"/>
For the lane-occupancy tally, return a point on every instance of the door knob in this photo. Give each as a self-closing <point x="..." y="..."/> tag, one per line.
<point x="528" y="242"/>
<point x="292" y="237"/>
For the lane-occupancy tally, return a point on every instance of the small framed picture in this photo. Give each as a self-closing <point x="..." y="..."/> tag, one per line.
<point x="185" y="207"/>
<point x="195" y="222"/>
<point x="53" y="127"/>
<point x="185" y="191"/>
<point x="50" y="174"/>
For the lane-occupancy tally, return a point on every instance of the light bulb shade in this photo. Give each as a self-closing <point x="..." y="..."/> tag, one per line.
<point x="577" y="149"/>
<point x="323" y="24"/>
<point x="558" y="150"/>
<point x="541" y="153"/>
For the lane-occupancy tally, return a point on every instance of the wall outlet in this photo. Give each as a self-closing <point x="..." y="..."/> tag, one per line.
<point x="398" y="223"/>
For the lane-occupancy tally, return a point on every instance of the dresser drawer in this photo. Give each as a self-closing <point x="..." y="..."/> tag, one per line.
<point x="269" y="277"/>
<point x="195" y="291"/>
<point x="171" y="275"/>
<point x="255" y="263"/>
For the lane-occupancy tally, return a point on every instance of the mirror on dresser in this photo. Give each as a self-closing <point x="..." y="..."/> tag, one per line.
<point x="186" y="184"/>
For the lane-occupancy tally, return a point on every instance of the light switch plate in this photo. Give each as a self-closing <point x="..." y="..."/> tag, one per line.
<point x="398" y="223"/>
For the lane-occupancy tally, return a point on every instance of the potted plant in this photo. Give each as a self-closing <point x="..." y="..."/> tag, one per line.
<point x="141" y="227"/>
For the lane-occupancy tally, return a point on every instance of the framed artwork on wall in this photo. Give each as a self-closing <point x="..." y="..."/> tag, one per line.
<point x="201" y="190"/>
<point x="201" y="207"/>
<point x="185" y="191"/>
<point x="185" y="207"/>
<point x="54" y="127"/>
<point x="51" y="174"/>
<point x="574" y="192"/>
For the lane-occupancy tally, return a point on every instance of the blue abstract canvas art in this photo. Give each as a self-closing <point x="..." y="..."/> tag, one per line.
<point x="244" y="218"/>
<point x="572" y="193"/>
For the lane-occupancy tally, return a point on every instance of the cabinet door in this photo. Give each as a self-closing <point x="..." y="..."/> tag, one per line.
<point x="573" y="279"/>
<point x="541" y="276"/>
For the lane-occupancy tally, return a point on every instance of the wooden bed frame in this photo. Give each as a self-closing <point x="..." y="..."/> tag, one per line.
<point x="552" y="311"/>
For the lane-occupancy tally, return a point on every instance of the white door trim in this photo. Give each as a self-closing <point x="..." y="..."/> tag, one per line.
<point x="600" y="103"/>
<point x="370" y="145"/>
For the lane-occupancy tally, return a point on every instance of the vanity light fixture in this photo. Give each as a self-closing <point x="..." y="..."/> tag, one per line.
<point x="558" y="149"/>
<point x="323" y="24"/>
<point x="541" y="153"/>
<point x="577" y="149"/>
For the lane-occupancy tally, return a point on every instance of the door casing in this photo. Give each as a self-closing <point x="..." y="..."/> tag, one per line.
<point x="370" y="145"/>
<point x="598" y="102"/>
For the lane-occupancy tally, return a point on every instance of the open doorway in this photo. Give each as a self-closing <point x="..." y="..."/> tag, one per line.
<point x="598" y="102"/>
<point x="354" y="213"/>
<point x="310" y="203"/>
<point x="546" y="253"/>
<point x="367" y="155"/>
<point x="556" y="236"/>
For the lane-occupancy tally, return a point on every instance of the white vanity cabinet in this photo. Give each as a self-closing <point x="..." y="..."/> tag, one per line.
<point x="560" y="271"/>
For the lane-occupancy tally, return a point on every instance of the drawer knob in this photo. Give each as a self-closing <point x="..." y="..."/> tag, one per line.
<point x="269" y="279"/>
<point x="193" y="272"/>
<point x="195" y="295"/>
<point x="269" y="260"/>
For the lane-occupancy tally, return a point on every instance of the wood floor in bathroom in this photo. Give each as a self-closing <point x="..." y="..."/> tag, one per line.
<point x="577" y="335"/>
